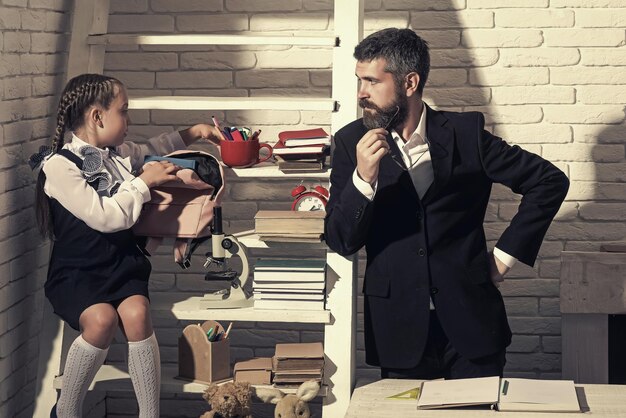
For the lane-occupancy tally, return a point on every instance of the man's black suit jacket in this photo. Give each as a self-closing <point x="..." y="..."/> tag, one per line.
<point x="435" y="247"/>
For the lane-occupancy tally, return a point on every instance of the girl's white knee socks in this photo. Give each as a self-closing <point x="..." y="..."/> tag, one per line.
<point x="81" y="365"/>
<point x="144" y="367"/>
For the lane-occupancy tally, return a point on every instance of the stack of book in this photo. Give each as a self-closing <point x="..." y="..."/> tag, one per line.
<point x="294" y="364"/>
<point x="302" y="150"/>
<point x="289" y="284"/>
<point x="256" y="371"/>
<point x="289" y="225"/>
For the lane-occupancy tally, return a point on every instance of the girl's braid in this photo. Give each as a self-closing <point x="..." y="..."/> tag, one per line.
<point x="71" y="107"/>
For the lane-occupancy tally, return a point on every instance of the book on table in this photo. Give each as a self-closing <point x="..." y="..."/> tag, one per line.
<point x="297" y="138"/>
<point x="315" y="267"/>
<point x="307" y="165"/>
<point x="288" y="286"/>
<point x="298" y="362"/>
<point x="298" y="356"/>
<point x="286" y="289"/>
<point x="502" y="394"/>
<point x="289" y="304"/>
<point x="289" y="222"/>
<point x="288" y="237"/>
<point x="297" y="376"/>
<point x="256" y="371"/>
<point x="290" y="264"/>
<point x="298" y="153"/>
<point x="287" y="296"/>
<point x="279" y="379"/>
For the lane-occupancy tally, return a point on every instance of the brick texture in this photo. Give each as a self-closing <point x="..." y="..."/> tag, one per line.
<point x="33" y="47"/>
<point x="548" y="76"/>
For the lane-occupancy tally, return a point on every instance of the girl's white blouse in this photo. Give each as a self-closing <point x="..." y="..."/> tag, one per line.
<point x="66" y="183"/>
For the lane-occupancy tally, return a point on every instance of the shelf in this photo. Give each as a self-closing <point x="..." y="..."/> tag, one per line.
<point x="183" y="306"/>
<point x="113" y="379"/>
<point x="270" y="170"/>
<point x="192" y="39"/>
<point x="230" y="103"/>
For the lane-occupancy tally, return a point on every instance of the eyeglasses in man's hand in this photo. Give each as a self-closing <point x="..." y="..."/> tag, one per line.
<point x="393" y="156"/>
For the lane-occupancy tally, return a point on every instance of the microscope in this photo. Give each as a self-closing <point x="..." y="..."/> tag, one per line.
<point x="223" y="247"/>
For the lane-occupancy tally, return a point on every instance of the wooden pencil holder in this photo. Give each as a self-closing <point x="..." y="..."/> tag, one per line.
<point x="201" y="360"/>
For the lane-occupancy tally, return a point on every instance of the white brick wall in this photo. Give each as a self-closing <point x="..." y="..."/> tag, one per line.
<point x="548" y="75"/>
<point x="32" y="72"/>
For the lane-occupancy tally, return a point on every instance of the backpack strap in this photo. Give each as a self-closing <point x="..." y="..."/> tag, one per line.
<point x="72" y="157"/>
<point x="184" y="248"/>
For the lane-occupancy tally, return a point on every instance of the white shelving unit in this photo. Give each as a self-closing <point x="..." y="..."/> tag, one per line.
<point x="87" y="48"/>
<point x="229" y="103"/>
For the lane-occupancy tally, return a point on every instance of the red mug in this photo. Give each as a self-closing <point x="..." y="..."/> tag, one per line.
<point x="243" y="153"/>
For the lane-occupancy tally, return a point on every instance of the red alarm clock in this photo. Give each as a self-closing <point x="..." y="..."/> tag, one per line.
<point x="314" y="199"/>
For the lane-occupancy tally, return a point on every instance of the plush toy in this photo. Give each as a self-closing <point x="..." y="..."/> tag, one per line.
<point x="228" y="400"/>
<point x="290" y="406"/>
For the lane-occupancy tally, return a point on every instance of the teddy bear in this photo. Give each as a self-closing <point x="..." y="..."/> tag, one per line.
<point x="292" y="405"/>
<point x="228" y="400"/>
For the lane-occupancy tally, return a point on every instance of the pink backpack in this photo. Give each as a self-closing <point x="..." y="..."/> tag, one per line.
<point x="183" y="210"/>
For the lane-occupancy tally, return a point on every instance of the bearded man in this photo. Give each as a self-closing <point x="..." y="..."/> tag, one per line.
<point x="411" y="185"/>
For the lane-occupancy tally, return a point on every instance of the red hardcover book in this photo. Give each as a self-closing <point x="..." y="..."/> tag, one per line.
<point x="304" y="137"/>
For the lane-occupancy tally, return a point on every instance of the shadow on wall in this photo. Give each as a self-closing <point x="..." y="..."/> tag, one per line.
<point x="470" y="69"/>
<point x="581" y="135"/>
<point x="44" y="324"/>
<point x="598" y="183"/>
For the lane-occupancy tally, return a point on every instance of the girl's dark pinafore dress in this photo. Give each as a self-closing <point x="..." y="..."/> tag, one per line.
<point x="88" y="267"/>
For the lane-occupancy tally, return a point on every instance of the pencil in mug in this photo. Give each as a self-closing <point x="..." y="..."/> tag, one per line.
<point x="219" y="129"/>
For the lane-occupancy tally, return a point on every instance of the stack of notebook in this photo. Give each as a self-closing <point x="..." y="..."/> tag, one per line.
<point x="289" y="284"/>
<point x="294" y="364"/>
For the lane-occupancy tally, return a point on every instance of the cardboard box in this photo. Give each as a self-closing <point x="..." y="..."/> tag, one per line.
<point x="201" y="360"/>
<point x="257" y="371"/>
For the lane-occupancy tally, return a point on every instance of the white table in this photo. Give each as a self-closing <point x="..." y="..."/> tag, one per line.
<point x="370" y="400"/>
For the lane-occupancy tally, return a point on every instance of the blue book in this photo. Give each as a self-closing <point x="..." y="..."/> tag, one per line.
<point x="181" y="162"/>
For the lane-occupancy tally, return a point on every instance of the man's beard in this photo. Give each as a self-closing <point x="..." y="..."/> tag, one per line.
<point x="384" y="117"/>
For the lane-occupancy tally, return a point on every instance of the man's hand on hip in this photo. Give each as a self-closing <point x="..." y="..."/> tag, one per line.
<point x="370" y="149"/>
<point x="497" y="269"/>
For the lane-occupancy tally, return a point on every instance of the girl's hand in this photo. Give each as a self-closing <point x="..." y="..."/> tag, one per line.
<point x="208" y="132"/>
<point x="201" y="131"/>
<point x="159" y="172"/>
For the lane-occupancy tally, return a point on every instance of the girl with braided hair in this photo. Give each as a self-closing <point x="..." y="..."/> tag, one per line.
<point x="89" y="193"/>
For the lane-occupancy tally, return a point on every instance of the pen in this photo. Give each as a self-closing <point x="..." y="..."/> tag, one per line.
<point x="227" y="134"/>
<point x="236" y="134"/>
<point x="256" y="134"/>
<point x="209" y="333"/>
<point x="228" y="330"/>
